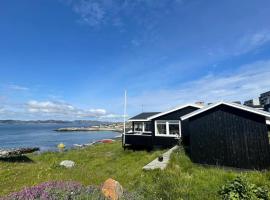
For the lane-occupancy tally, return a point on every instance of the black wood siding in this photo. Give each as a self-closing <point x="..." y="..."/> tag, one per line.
<point x="185" y="132"/>
<point x="139" y="140"/>
<point x="165" y="141"/>
<point x="230" y="137"/>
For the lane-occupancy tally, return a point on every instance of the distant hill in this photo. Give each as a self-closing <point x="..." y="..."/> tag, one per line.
<point x="92" y="122"/>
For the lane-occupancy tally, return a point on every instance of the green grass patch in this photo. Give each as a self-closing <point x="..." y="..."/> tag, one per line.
<point x="181" y="180"/>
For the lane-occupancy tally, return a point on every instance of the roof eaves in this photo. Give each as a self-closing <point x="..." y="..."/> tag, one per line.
<point x="173" y="109"/>
<point x="138" y="120"/>
<point x="242" y="107"/>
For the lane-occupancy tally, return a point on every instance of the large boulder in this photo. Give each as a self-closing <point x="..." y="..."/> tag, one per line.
<point x="112" y="189"/>
<point x="67" y="163"/>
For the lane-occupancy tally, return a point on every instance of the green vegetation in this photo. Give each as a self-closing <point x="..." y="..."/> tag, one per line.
<point x="181" y="180"/>
<point x="241" y="189"/>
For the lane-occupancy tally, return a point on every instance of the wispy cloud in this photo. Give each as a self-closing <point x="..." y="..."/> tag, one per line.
<point x="245" y="83"/>
<point x="92" y="13"/>
<point x="98" y="12"/>
<point x="252" y="41"/>
<point x="17" y="87"/>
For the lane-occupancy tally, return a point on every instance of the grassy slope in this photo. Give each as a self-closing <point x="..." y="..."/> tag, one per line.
<point x="181" y="180"/>
<point x="93" y="166"/>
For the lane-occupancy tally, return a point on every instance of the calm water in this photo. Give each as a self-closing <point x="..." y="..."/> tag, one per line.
<point x="44" y="136"/>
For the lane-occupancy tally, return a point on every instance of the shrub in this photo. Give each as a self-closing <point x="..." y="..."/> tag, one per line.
<point x="241" y="189"/>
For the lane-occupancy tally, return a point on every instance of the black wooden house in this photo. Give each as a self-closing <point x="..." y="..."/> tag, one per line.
<point x="157" y="128"/>
<point x="228" y="134"/>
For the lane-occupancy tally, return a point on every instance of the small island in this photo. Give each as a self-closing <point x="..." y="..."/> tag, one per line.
<point x="116" y="127"/>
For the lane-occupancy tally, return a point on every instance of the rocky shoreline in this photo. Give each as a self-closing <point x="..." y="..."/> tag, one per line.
<point x="89" y="129"/>
<point x="115" y="127"/>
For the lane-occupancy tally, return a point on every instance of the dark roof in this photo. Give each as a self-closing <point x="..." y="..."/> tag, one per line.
<point x="235" y="105"/>
<point x="143" y="115"/>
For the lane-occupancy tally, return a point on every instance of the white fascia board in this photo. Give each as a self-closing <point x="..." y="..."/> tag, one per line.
<point x="241" y="107"/>
<point x="138" y="120"/>
<point x="174" y="109"/>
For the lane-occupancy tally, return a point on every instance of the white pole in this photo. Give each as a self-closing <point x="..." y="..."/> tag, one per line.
<point x="125" y="110"/>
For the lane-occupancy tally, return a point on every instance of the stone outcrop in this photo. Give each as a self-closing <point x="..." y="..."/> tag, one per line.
<point x="112" y="189"/>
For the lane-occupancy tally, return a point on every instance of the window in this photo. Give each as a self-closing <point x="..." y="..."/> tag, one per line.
<point x="138" y="126"/>
<point x="169" y="128"/>
<point x="161" y="128"/>
<point x="142" y="126"/>
<point x="174" y="129"/>
<point x="147" y="126"/>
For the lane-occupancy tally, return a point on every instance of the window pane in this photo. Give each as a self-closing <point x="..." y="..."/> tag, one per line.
<point x="161" y="128"/>
<point x="174" y="129"/>
<point x="138" y="126"/>
<point x="147" y="126"/>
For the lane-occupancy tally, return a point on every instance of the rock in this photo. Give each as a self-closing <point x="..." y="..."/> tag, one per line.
<point x="67" y="163"/>
<point x="112" y="189"/>
<point x="16" y="152"/>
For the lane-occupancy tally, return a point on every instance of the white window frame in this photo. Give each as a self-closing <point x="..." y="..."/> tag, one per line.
<point x="143" y="128"/>
<point x="167" y="122"/>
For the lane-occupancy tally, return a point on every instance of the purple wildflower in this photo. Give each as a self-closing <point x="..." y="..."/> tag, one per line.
<point x="47" y="191"/>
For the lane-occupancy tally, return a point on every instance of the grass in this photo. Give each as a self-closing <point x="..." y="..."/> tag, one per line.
<point x="181" y="180"/>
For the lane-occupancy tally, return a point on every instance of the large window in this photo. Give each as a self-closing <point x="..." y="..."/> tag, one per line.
<point x="169" y="128"/>
<point x="142" y="126"/>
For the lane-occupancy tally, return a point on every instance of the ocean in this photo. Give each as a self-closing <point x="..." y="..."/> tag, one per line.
<point x="44" y="136"/>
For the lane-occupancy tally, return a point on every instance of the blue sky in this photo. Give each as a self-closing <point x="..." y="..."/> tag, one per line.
<point x="73" y="59"/>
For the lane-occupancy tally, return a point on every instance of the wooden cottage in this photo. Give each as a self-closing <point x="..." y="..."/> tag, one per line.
<point x="157" y="128"/>
<point x="228" y="134"/>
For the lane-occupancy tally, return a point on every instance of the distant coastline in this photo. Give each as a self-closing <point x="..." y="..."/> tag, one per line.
<point x="89" y="129"/>
<point x="93" y="122"/>
<point x="116" y="127"/>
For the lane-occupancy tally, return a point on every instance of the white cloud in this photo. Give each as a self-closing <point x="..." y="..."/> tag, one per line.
<point x="243" y="84"/>
<point x="52" y="110"/>
<point x="50" y="107"/>
<point x="98" y="111"/>
<point x="65" y="110"/>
